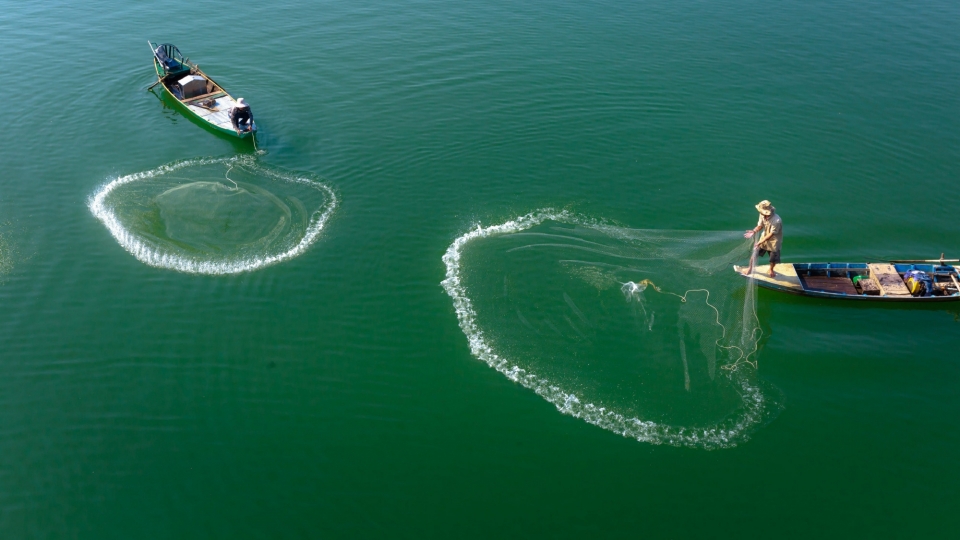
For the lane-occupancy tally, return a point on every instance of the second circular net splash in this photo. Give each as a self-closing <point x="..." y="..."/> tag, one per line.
<point x="214" y="216"/>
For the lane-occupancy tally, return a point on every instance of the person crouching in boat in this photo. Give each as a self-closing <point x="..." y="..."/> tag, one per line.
<point x="770" y="240"/>
<point x="241" y="117"/>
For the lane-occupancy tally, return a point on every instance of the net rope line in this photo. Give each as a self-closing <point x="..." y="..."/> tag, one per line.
<point x="630" y="287"/>
<point x="227" y="176"/>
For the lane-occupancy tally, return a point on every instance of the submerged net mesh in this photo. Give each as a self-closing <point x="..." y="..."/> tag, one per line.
<point x="218" y="217"/>
<point x="648" y="333"/>
<point x="703" y="260"/>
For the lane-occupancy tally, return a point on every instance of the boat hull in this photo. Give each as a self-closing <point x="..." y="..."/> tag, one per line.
<point x="787" y="279"/>
<point x="210" y="109"/>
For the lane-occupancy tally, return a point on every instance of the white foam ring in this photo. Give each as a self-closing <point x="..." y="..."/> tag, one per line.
<point x="153" y="257"/>
<point x="725" y="434"/>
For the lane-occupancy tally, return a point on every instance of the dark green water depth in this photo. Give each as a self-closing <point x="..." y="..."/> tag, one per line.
<point x="333" y="394"/>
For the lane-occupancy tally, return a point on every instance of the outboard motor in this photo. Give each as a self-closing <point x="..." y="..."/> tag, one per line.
<point x="919" y="282"/>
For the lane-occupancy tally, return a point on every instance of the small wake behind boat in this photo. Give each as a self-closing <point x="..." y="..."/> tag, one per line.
<point x="199" y="95"/>
<point x="896" y="281"/>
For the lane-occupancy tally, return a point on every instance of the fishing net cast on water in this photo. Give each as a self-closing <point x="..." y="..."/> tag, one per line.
<point x="214" y="215"/>
<point x="646" y="333"/>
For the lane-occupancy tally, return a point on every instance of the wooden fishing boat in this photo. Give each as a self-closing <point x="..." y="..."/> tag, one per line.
<point x="196" y="93"/>
<point x="880" y="282"/>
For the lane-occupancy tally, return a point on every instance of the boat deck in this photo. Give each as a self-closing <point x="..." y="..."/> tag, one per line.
<point x="879" y="281"/>
<point x="786" y="277"/>
<point x="840" y="285"/>
<point x="219" y="117"/>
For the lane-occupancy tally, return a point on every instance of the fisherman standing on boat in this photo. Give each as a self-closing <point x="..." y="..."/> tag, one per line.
<point x="241" y="117"/>
<point x="770" y="240"/>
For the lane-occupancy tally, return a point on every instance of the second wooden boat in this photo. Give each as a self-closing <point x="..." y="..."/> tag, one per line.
<point x="196" y="92"/>
<point x="881" y="282"/>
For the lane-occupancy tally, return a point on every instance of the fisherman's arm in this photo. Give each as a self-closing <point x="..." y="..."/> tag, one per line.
<point x="775" y="227"/>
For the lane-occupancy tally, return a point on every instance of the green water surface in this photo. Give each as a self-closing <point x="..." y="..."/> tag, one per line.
<point x="334" y="395"/>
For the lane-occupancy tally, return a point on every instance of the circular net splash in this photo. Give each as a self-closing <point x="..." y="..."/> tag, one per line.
<point x="214" y="216"/>
<point x="646" y="333"/>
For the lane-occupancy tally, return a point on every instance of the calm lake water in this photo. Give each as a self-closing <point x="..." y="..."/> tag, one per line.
<point x="333" y="393"/>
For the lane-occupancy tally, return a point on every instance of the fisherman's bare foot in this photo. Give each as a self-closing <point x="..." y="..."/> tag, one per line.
<point x="772" y="274"/>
